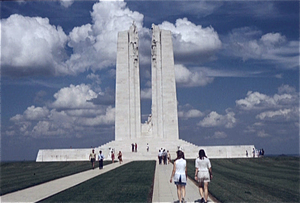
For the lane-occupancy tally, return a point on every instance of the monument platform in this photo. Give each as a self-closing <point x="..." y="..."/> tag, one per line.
<point x="155" y="144"/>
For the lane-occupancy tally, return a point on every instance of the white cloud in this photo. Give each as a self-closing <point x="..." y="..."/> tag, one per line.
<point x="74" y="97"/>
<point x="71" y="114"/>
<point x="256" y="100"/>
<point x="217" y="135"/>
<point x="286" y="89"/>
<point x="281" y="113"/>
<point x="213" y="119"/>
<point x="105" y="119"/>
<point x="262" y="133"/>
<point x="192" y="40"/>
<point x="31" y="46"/>
<point x="95" y="78"/>
<point x="191" y="78"/>
<point x="192" y="113"/>
<point x="66" y="3"/>
<point x="249" y="43"/>
<point x="32" y="113"/>
<point x="81" y="34"/>
<point x="95" y="46"/>
<point x="146" y="93"/>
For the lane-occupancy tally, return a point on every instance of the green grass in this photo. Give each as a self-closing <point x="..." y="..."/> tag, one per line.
<point x="20" y="175"/>
<point x="132" y="182"/>
<point x="268" y="179"/>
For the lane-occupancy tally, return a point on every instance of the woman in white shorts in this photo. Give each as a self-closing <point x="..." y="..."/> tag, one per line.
<point x="203" y="174"/>
<point x="179" y="174"/>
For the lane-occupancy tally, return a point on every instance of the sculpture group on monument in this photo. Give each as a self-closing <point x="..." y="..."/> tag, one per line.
<point x="161" y="128"/>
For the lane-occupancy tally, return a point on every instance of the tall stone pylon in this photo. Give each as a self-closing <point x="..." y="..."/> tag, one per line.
<point x="128" y="105"/>
<point x="164" y="100"/>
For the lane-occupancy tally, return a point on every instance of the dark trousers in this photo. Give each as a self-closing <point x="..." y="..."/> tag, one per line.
<point x="101" y="163"/>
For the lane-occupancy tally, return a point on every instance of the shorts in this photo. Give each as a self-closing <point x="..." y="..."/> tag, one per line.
<point x="180" y="182"/>
<point x="92" y="160"/>
<point x="203" y="176"/>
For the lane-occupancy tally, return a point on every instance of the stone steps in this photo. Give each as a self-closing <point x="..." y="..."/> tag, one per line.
<point x="190" y="150"/>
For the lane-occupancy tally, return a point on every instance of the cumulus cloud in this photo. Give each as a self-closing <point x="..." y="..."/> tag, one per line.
<point x="192" y="113"/>
<point x="146" y="93"/>
<point x="217" y="135"/>
<point x="191" y="77"/>
<point x="187" y="111"/>
<point x="250" y="43"/>
<point x="213" y="119"/>
<point x="95" y="45"/>
<point x="66" y="3"/>
<point x="31" y="113"/>
<point x="95" y="78"/>
<point x="72" y="113"/>
<point x="256" y="100"/>
<point x="283" y="114"/>
<point x="192" y="41"/>
<point x="74" y="97"/>
<point x="31" y="46"/>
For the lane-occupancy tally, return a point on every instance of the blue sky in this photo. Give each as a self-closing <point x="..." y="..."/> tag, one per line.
<point x="236" y="67"/>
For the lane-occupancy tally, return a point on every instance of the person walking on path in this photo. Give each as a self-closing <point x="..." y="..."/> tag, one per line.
<point x="179" y="174"/>
<point x="100" y="158"/>
<point x="169" y="157"/>
<point x="165" y="156"/>
<point x="120" y="157"/>
<point x="135" y="147"/>
<point x="112" y="156"/>
<point x="159" y="156"/>
<point x="203" y="174"/>
<point x="92" y="158"/>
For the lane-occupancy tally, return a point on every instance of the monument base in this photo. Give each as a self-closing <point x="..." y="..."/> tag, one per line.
<point x="190" y="150"/>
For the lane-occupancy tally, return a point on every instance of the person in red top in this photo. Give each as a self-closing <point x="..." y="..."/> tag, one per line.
<point x="112" y="157"/>
<point x="120" y="157"/>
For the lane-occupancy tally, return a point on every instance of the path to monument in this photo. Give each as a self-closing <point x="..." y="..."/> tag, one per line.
<point x="164" y="191"/>
<point x="42" y="191"/>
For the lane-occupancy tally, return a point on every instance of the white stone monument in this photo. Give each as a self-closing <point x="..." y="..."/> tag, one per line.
<point x="161" y="128"/>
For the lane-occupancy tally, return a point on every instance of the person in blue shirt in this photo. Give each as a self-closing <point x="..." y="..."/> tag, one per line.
<point x="100" y="158"/>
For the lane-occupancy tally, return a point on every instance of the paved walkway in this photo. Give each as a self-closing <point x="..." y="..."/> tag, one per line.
<point x="164" y="191"/>
<point x="42" y="191"/>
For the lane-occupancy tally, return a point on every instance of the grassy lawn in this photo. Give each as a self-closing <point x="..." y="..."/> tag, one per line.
<point x="19" y="175"/>
<point x="132" y="182"/>
<point x="268" y="179"/>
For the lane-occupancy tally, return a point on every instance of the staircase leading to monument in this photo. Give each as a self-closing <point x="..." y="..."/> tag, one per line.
<point x="190" y="150"/>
